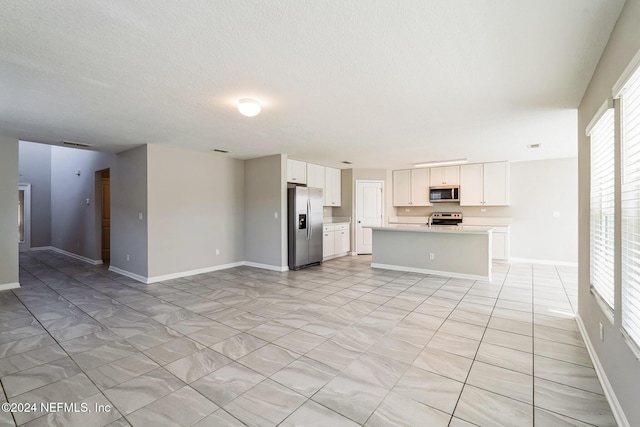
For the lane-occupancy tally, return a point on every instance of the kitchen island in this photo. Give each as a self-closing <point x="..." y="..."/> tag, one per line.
<point x="457" y="251"/>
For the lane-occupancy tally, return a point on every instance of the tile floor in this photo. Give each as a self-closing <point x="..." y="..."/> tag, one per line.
<point x="338" y="345"/>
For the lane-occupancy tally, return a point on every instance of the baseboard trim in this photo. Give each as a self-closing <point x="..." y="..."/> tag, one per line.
<point x="8" y="286"/>
<point x="129" y="274"/>
<point x="69" y="254"/>
<point x="426" y="271"/>
<point x="172" y="276"/>
<point x="543" y="261"/>
<point x="265" y="266"/>
<point x="618" y="413"/>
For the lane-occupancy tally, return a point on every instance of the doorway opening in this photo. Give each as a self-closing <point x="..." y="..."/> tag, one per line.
<point x="105" y="215"/>
<point x="369" y="213"/>
<point x="24" y="217"/>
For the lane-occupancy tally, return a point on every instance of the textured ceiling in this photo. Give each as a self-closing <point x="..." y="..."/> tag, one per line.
<point x="379" y="83"/>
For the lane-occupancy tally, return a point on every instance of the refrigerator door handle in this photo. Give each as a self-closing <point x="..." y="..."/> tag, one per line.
<point x="309" y="228"/>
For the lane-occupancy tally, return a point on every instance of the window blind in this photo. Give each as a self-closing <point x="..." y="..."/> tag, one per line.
<point x="630" y="206"/>
<point x="602" y="207"/>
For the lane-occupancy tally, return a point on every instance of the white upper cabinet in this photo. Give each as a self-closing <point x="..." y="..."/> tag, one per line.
<point x="315" y="176"/>
<point x="496" y="184"/>
<point x="420" y="187"/>
<point x="411" y="187"/>
<point x="332" y="187"/>
<point x="448" y="175"/>
<point x="296" y="171"/>
<point x="484" y="184"/>
<point x="402" y="187"/>
<point x="471" y="193"/>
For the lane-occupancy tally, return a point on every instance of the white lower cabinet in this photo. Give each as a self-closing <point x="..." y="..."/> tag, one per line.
<point x="335" y="240"/>
<point x="500" y="245"/>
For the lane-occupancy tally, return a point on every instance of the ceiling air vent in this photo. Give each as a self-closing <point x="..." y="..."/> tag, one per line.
<point x="217" y="150"/>
<point x="346" y="162"/>
<point x="533" y="145"/>
<point x="76" y="144"/>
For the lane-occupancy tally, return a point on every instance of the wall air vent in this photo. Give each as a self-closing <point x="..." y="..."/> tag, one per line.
<point x="75" y="144"/>
<point x="217" y="150"/>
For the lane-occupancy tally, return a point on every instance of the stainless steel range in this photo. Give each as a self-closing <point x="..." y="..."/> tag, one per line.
<point x="445" y="219"/>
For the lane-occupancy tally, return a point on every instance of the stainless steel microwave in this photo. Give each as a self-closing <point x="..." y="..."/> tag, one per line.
<point x="444" y="194"/>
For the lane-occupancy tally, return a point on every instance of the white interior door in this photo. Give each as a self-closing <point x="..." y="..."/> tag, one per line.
<point x="368" y="213"/>
<point x="24" y="217"/>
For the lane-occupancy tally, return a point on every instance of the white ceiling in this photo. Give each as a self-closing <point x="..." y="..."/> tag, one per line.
<point x="379" y="83"/>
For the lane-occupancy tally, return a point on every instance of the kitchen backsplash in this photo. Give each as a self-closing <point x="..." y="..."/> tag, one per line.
<point x="490" y="211"/>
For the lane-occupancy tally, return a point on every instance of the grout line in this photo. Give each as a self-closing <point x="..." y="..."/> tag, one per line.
<point x="480" y="343"/>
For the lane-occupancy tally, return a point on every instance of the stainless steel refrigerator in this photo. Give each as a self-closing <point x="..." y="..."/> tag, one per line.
<point x="305" y="226"/>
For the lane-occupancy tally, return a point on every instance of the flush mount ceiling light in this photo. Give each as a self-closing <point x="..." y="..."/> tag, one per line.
<point x="440" y="163"/>
<point x="248" y="107"/>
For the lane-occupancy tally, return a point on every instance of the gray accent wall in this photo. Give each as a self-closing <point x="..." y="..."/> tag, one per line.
<point x="8" y="210"/>
<point x="73" y="221"/>
<point x="35" y="169"/>
<point x="128" y="201"/>
<point x="618" y="361"/>
<point x="195" y="207"/>
<point x="265" y="239"/>
<point x="538" y="189"/>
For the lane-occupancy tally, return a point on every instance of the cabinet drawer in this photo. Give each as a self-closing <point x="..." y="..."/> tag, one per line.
<point x="341" y="227"/>
<point x="328" y="228"/>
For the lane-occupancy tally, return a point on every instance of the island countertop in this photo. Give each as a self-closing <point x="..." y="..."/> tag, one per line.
<point x="423" y="228"/>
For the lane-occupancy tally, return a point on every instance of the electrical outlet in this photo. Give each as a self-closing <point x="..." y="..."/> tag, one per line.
<point x="217" y="251"/>
<point x="432" y="256"/>
<point x="483" y="210"/>
<point x="275" y="215"/>
<point x="128" y="257"/>
<point x="140" y="215"/>
<point x="556" y="214"/>
<point x="601" y="332"/>
<point x="407" y="210"/>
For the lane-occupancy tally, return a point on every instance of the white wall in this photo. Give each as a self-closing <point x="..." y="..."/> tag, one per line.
<point x="265" y="239"/>
<point x="8" y="211"/>
<point x="73" y="221"/>
<point x="128" y="201"/>
<point x="195" y="206"/>
<point x="538" y="189"/>
<point x="620" y="364"/>
<point x="35" y="169"/>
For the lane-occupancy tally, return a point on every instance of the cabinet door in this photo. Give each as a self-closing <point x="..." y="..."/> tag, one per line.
<point x="296" y="171"/>
<point x="500" y="246"/>
<point x="315" y="176"/>
<point x="328" y="243"/>
<point x="446" y="175"/>
<point x="333" y="187"/>
<point x="451" y="175"/>
<point x="436" y="177"/>
<point x="471" y="185"/>
<point x="402" y="187"/>
<point x="420" y="187"/>
<point x="342" y="241"/>
<point x="496" y="184"/>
